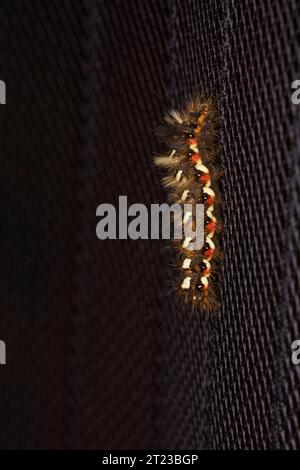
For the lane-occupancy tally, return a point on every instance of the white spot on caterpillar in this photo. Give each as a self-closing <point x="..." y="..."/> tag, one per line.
<point x="179" y="175"/>
<point x="186" y="263"/>
<point x="207" y="264"/>
<point x="186" y="283"/>
<point x="202" y="168"/>
<point x="186" y="242"/>
<point x="211" y="243"/>
<point x="209" y="191"/>
<point x="194" y="147"/>
<point x="210" y="214"/>
<point x="184" y="195"/>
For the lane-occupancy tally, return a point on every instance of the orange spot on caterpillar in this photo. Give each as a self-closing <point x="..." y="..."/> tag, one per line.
<point x="211" y="227"/>
<point x="204" y="178"/>
<point x="195" y="158"/>
<point x="210" y="201"/>
<point x="208" y="254"/>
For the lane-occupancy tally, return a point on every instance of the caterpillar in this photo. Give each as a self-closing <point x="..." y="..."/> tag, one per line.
<point x="193" y="176"/>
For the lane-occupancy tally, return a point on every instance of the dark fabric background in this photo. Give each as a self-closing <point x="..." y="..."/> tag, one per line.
<point x="98" y="356"/>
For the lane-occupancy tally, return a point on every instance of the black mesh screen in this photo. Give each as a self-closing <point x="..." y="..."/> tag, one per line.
<point x="98" y="355"/>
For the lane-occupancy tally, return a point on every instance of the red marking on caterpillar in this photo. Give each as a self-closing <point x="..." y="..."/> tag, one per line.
<point x="193" y="177"/>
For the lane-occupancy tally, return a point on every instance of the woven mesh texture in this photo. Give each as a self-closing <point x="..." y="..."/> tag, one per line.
<point x="114" y="389"/>
<point x="99" y="356"/>
<point x="78" y="314"/>
<point x="41" y="48"/>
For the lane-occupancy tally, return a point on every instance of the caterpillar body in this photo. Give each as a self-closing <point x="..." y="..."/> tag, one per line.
<point x="193" y="177"/>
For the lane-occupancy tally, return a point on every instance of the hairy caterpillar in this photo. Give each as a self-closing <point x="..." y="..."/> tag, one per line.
<point x="193" y="177"/>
